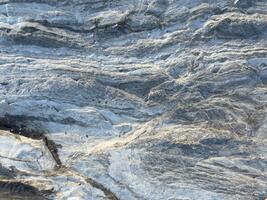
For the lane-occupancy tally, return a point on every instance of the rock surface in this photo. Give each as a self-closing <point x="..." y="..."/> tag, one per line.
<point x="133" y="99"/>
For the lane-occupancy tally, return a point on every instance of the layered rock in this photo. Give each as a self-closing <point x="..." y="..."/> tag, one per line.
<point x="133" y="99"/>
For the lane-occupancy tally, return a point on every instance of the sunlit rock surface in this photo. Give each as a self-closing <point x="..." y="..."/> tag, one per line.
<point x="133" y="99"/>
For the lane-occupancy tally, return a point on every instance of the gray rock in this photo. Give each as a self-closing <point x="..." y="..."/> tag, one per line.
<point x="133" y="99"/>
<point x="243" y="3"/>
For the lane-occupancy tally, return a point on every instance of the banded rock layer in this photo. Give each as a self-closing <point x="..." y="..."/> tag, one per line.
<point x="133" y="99"/>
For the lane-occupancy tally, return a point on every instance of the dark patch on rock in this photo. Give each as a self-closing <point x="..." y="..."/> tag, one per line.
<point x="18" y="190"/>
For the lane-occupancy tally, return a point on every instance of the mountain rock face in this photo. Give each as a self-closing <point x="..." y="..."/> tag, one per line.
<point x="133" y="99"/>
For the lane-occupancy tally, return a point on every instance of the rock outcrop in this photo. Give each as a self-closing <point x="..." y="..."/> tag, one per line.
<point x="133" y="99"/>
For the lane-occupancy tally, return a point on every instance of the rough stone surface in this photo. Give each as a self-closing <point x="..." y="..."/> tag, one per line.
<point x="133" y="99"/>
